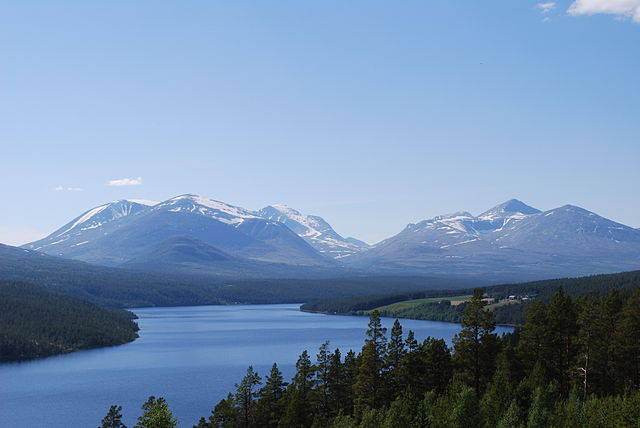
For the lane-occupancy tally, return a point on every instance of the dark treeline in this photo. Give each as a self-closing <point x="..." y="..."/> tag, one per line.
<point x="35" y="322"/>
<point x="575" y="363"/>
<point x="508" y="314"/>
<point x="124" y="288"/>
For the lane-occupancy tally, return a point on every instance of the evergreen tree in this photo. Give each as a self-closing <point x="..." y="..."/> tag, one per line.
<point x="324" y="380"/>
<point x="369" y="388"/>
<point x="534" y="346"/>
<point x="466" y="412"/>
<point x="627" y="343"/>
<point x="411" y="342"/>
<point x="510" y="418"/>
<point x="113" y="419"/>
<point x="540" y="412"/>
<point x="395" y="354"/>
<point x="299" y="396"/>
<point x="476" y="346"/>
<point x="498" y="395"/>
<point x="562" y="329"/>
<point x="202" y="423"/>
<point x="245" y="397"/>
<point x="270" y="404"/>
<point x="401" y="413"/>
<point x="225" y="413"/>
<point x="425" y="411"/>
<point x="338" y="384"/>
<point x="156" y="414"/>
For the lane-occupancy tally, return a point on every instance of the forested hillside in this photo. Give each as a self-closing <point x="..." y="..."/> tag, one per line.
<point x="35" y="322"/>
<point x="441" y="310"/>
<point x="573" y="365"/>
<point x="128" y="288"/>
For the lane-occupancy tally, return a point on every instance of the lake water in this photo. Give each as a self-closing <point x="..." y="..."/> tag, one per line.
<point x="192" y="356"/>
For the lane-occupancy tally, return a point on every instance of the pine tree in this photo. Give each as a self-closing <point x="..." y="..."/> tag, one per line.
<point x="338" y="384"/>
<point x="202" y="423"/>
<point x="411" y="342"/>
<point x="324" y="381"/>
<point x="627" y="344"/>
<point x="466" y="412"/>
<point x="270" y="404"/>
<point x="498" y="395"/>
<point x="369" y="388"/>
<point x="395" y="354"/>
<point x="113" y="419"/>
<point x="225" y="413"/>
<point x="425" y="411"/>
<point x="156" y="414"/>
<point x="510" y="418"/>
<point x="562" y="328"/>
<point x="245" y="397"/>
<point x="476" y="346"/>
<point x="540" y="412"/>
<point x="299" y="396"/>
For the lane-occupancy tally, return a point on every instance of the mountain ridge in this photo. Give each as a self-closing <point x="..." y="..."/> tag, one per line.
<point x="511" y="241"/>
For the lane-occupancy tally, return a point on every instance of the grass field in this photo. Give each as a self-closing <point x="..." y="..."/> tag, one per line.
<point x="407" y="304"/>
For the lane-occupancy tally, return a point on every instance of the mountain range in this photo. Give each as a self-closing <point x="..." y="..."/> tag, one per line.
<point x="192" y="234"/>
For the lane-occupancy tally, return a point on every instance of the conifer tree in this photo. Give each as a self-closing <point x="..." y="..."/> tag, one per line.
<point x="299" y="396"/>
<point x="156" y="414"/>
<point x="627" y="343"/>
<point x="368" y="388"/>
<point x="498" y="395"/>
<point x="324" y="381"/>
<point x="540" y="412"/>
<point x="113" y="419"/>
<point x="245" y="397"/>
<point x="225" y="413"/>
<point x="269" y="408"/>
<point x="510" y="418"/>
<point x="411" y="342"/>
<point x="395" y="355"/>
<point x="562" y="329"/>
<point x="466" y="412"/>
<point x="476" y="346"/>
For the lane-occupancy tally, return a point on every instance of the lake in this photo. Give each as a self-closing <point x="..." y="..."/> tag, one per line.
<point x="192" y="356"/>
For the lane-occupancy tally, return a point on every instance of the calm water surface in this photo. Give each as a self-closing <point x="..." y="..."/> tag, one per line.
<point x="192" y="356"/>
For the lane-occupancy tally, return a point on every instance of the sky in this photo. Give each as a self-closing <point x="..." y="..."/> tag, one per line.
<point x="372" y="114"/>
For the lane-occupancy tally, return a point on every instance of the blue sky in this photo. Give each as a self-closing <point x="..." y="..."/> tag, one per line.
<point x="370" y="113"/>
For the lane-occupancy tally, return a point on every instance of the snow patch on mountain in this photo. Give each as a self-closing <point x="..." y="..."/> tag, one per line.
<point x="220" y="211"/>
<point x="313" y="229"/>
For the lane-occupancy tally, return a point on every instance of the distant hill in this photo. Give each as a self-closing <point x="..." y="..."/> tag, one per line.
<point x="508" y="314"/>
<point x="129" y="288"/>
<point x="103" y="285"/>
<point x="510" y="242"/>
<point x="35" y="322"/>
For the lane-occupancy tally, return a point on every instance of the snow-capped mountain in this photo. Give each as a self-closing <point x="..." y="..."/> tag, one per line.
<point x="508" y="242"/>
<point x="126" y="231"/>
<point x="90" y="225"/>
<point x="192" y="234"/>
<point x="315" y="230"/>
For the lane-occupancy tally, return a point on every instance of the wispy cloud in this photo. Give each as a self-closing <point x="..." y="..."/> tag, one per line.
<point x="547" y="7"/>
<point x="67" y="189"/>
<point x="621" y="8"/>
<point x="125" y="182"/>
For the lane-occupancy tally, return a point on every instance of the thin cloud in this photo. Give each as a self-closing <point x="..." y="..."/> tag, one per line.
<point x="547" y="7"/>
<point x="622" y="8"/>
<point x="67" y="189"/>
<point x="125" y="182"/>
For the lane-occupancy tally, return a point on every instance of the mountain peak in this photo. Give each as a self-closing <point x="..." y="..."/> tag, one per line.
<point x="509" y="208"/>
<point x="313" y="229"/>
